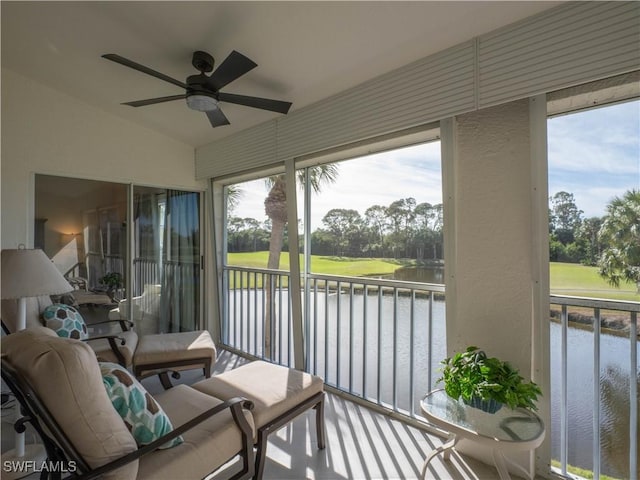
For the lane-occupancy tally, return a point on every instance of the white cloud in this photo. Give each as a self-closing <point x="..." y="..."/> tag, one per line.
<point x="595" y="154"/>
<point x="591" y="155"/>
<point x="377" y="179"/>
<point x="381" y="179"/>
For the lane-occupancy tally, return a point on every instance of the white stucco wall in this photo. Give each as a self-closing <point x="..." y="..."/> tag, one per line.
<point x="490" y="253"/>
<point x="44" y="131"/>
<point x="492" y="243"/>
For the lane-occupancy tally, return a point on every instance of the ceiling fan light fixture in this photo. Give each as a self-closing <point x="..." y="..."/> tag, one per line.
<point x="201" y="91"/>
<point x="201" y="102"/>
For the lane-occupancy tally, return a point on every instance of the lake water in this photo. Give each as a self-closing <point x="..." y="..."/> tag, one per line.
<point x="419" y="274"/>
<point x="366" y="346"/>
<point x="615" y="352"/>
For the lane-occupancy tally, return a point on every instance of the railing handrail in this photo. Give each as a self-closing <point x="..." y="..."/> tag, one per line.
<point x="381" y="282"/>
<point x="268" y="271"/>
<point x="601" y="303"/>
<point x="346" y="369"/>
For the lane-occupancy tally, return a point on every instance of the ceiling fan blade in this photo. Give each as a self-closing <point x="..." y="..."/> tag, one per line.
<point x="256" y="102"/>
<point x="217" y="118"/>
<point x="141" y="68"/>
<point x="234" y="66"/>
<point x="152" y="101"/>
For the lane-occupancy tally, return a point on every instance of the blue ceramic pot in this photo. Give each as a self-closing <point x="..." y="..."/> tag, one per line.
<point x="489" y="406"/>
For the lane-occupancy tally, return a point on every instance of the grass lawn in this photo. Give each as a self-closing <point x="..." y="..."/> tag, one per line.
<point x="582" y="281"/>
<point x="566" y="278"/>
<point x="351" y="267"/>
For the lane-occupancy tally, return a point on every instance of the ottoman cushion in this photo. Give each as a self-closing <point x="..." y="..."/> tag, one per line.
<point x="273" y="389"/>
<point x="166" y="348"/>
<point x="208" y="444"/>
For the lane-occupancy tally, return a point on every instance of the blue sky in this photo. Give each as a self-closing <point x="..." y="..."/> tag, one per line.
<point x="593" y="154"/>
<point x="377" y="179"/>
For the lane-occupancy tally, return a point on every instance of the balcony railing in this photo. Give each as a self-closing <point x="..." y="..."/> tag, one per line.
<point x="601" y="336"/>
<point x="374" y="338"/>
<point x="248" y="313"/>
<point x="371" y="338"/>
<point x="381" y="341"/>
<point x="145" y="272"/>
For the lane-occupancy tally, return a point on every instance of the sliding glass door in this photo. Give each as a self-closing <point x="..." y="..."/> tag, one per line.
<point x="83" y="226"/>
<point x="166" y="280"/>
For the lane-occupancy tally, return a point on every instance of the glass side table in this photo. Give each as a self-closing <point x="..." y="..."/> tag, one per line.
<point x="506" y="430"/>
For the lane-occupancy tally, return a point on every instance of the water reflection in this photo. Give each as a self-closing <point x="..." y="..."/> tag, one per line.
<point x="615" y="426"/>
<point x="433" y="274"/>
<point x="614" y="407"/>
<point x="356" y="345"/>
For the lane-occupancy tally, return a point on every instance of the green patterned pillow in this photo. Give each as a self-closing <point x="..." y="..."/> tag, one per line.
<point x="142" y="415"/>
<point x="66" y="321"/>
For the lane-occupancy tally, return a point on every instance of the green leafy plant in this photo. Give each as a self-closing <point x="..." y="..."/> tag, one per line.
<point x="112" y="280"/>
<point x="471" y="374"/>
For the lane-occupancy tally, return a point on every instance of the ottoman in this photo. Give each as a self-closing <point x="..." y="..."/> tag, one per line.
<point x="173" y="351"/>
<point x="279" y="394"/>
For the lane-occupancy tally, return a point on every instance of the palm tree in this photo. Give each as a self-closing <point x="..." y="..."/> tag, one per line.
<point x="620" y="237"/>
<point x="234" y="193"/>
<point x="275" y="206"/>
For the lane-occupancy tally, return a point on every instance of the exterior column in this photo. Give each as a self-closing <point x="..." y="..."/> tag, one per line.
<point x="492" y="242"/>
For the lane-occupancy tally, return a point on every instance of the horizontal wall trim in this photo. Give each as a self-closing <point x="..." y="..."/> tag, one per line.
<point x="555" y="24"/>
<point x="248" y="149"/>
<point x="571" y="44"/>
<point x="404" y="138"/>
<point x="248" y="175"/>
<point x="408" y="98"/>
<point x="562" y="47"/>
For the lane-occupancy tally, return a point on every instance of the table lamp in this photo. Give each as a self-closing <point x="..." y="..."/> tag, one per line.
<point x="27" y="273"/>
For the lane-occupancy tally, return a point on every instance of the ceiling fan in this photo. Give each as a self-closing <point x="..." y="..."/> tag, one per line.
<point x="202" y="92"/>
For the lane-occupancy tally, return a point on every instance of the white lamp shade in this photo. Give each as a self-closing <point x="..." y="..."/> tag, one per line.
<point x="30" y="273"/>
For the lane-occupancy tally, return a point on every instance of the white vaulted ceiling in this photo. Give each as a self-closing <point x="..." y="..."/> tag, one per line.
<point x="305" y="51"/>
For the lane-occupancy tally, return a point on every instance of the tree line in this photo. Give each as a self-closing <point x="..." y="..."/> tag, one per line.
<point x="611" y="242"/>
<point x="410" y="230"/>
<point x="402" y="229"/>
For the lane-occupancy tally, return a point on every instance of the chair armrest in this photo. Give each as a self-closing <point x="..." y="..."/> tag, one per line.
<point x="235" y="404"/>
<point x="124" y="323"/>
<point x="107" y="337"/>
<point x="112" y="344"/>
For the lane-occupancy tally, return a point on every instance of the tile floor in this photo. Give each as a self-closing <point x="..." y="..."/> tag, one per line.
<point x="361" y="443"/>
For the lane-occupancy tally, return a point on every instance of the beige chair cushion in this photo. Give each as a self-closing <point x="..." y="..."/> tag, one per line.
<point x="105" y="353"/>
<point x="273" y="389"/>
<point x="206" y="447"/>
<point x="168" y="347"/>
<point x="35" y="307"/>
<point x="66" y="376"/>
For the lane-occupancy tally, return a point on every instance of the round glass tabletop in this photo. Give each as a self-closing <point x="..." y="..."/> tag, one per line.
<point x="506" y="425"/>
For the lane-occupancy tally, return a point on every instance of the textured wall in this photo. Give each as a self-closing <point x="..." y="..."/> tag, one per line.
<point x="492" y="244"/>
<point x="489" y="265"/>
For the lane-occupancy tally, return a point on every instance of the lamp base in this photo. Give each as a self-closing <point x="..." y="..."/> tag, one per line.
<point x="14" y="467"/>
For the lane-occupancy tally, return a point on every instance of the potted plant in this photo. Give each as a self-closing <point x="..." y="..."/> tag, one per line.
<point x="113" y="281"/>
<point x="486" y="382"/>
